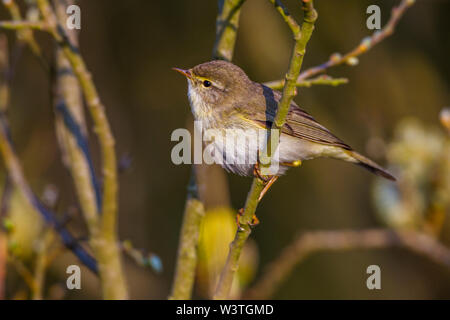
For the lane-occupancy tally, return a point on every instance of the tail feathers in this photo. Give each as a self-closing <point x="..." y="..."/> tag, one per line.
<point x="370" y="165"/>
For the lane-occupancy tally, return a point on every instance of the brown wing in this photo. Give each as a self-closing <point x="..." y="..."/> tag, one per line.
<point x="298" y="122"/>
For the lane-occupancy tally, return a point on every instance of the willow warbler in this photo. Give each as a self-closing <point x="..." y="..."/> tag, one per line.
<point x="222" y="97"/>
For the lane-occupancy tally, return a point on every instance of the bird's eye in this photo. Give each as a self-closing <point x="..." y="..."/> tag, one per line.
<point x="206" y="83"/>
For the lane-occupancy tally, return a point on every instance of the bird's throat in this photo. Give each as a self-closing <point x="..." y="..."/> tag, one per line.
<point x="201" y="110"/>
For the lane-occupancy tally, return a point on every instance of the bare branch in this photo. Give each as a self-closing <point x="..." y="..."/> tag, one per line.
<point x="25" y="34"/>
<point x="187" y="250"/>
<point x="364" y="46"/>
<point x="22" y="25"/>
<point x="316" y="241"/>
<point x="320" y="80"/>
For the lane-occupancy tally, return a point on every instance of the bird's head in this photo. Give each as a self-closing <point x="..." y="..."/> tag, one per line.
<point x="215" y="84"/>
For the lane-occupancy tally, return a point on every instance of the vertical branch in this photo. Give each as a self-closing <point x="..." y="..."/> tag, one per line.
<point x="3" y="258"/>
<point x="42" y="264"/>
<point x="301" y="37"/>
<point x="187" y="248"/>
<point x="103" y="236"/>
<point x="242" y="234"/>
<point x="227" y="24"/>
<point x="71" y="131"/>
<point x="6" y="192"/>
<point x="226" y="29"/>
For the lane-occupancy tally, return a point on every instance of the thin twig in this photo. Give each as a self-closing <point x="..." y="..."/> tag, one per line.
<point x="42" y="263"/>
<point x="316" y="241"/>
<point x="320" y="80"/>
<point x="142" y="258"/>
<point x="22" y="25"/>
<point x="3" y="259"/>
<point x="25" y="34"/>
<point x="366" y="44"/>
<point x="301" y="37"/>
<point x="23" y="271"/>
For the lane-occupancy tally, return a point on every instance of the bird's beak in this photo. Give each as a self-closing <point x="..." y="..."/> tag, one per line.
<point x="185" y="73"/>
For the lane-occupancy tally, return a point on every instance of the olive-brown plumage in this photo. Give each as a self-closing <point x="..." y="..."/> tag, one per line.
<point x="223" y="97"/>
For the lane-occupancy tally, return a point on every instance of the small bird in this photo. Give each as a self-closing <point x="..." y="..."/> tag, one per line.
<point x="223" y="97"/>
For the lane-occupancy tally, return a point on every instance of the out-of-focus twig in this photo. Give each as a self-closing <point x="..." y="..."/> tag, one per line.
<point x="72" y="133"/>
<point x="16" y="174"/>
<point x="7" y="190"/>
<point x="22" y="25"/>
<point x="227" y="24"/>
<point x="26" y="34"/>
<point x="226" y="30"/>
<point x="23" y="271"/>
<point x="444" y="118"/>
<point x="187" y="248"/>
<point x="17" y="177"/>
<point x="104" y="233"/>
<point x="301" y="36"/>
<point x="141" y="258"/>
<point x="3" y="259"/>
<point x="311" y="242"/>
<point x="41" y="264"/>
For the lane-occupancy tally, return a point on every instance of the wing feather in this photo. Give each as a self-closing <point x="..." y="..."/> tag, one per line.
<point x="299" y="123"/>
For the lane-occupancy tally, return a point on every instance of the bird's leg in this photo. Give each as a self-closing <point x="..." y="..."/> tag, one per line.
<point x="257" y="173"/>
<point x="268" y="180"/>
<point x="267" y="186"/>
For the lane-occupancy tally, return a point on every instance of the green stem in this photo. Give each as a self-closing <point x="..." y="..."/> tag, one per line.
<point x="321" y="80"/>
<point x="317" y="241"/>
<point x="242" y="234"/>
<point x="187" y="250"/>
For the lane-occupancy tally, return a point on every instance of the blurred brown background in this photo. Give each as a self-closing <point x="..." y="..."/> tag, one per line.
<point x="130" y="47"/>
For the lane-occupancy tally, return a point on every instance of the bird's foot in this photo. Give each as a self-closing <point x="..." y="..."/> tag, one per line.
<point x="257" y="173"/>
<point x="268" y="180"/>
<point x="254" y="222"/>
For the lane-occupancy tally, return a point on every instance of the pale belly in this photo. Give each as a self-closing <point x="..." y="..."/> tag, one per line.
<point x="237" y="151"/>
